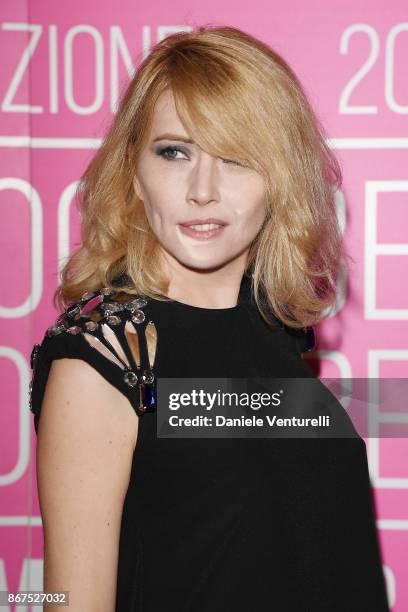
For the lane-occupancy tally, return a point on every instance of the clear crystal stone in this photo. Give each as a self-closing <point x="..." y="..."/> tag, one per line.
<point x="113" y="320"/>
<point x="87" y="295"/>
<point x="30" y="394"/>
<point x="111" y="307"/>
<point x="148" y="377"/>
<point x="106" y="291"/>
<point x="138" y="316"/>
<point x="71" y="311"/>
<point x="138" y="302"/>
<point x="61" y="319"/>
<point x="34" y="355"/>
<point x="130" y="378"/>
<point x="91" y="325"/>
<point x="54" y="330"/>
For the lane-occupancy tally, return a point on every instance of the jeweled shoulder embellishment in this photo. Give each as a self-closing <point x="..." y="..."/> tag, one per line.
<point x="34" y="355"/>
<point x="111" y="325"/>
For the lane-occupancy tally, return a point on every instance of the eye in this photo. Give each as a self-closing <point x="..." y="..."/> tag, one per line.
<point x="165" y="153"/>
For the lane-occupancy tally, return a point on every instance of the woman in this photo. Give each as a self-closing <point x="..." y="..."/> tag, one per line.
<point x="210" y="246"/>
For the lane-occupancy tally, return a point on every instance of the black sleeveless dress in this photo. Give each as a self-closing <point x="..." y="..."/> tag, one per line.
<point x="227" y="524"/>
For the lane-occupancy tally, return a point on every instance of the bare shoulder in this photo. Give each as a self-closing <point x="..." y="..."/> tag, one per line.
<point x="79" y="401"/>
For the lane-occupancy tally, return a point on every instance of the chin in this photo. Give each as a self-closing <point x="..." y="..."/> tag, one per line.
<point x="200" y="265"/>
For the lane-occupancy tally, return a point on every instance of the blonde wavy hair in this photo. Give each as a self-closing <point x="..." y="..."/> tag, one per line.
<point x="238" y="99"/>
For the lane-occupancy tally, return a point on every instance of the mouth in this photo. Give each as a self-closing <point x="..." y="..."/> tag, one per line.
<point x="202" y="231"/>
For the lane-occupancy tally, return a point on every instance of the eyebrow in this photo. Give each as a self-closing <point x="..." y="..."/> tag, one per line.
<point x="173" y="137"/>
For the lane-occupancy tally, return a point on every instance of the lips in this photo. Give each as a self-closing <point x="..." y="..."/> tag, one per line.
<point x="203" y="222"/>
<point x="209" y="231"/>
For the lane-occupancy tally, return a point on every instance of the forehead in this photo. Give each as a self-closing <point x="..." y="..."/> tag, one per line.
<point x="165" y="113"/>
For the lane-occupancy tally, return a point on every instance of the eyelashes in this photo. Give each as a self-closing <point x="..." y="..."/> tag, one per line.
<point x="164" y="152"/>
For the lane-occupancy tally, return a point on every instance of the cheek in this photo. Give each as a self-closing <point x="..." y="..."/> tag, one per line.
<point x="159" y="209"/>
<point x="251" y="209"/>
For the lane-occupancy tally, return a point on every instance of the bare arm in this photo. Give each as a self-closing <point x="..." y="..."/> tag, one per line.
<point x="86" y="439"/>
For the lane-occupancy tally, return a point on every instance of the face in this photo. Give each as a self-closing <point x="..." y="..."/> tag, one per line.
<point x="179" y="183"/>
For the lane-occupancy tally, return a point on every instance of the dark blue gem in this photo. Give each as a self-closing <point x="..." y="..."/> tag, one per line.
<point x="151" y="396"/>
<point x="147" y="398"/>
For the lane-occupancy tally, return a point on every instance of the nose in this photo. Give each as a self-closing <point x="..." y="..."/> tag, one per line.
<point x="203" y="185"/>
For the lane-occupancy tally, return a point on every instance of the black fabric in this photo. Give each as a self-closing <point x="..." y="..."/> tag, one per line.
<point x="235" y="525"/>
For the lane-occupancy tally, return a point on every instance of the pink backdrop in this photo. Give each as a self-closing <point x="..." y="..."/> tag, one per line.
<point x="63" y="64"/>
